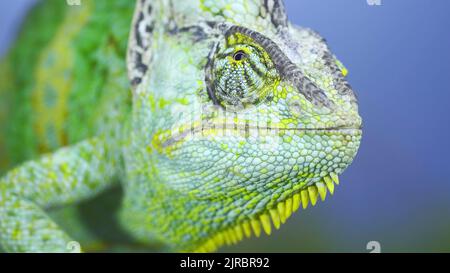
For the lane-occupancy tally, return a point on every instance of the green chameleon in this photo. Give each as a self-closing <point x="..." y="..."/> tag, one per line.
<point x="190" y="124"/>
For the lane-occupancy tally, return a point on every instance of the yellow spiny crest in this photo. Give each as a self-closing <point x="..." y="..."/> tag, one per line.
<point x="277" y="215"/>
<point x="335" y="178"/>
<point x="219" y="239"/>
<point x="256" y="227"/>
<point x="322" y="190"/>
<point x="305" y="198"/>
<point x="232" y="236"/>
<point x="239" y="233"/>
<point x="275" y="218"/>
<point x="282" y="212"/>
<point x="265" y="221"/>
<point x="329" y="184"/>
<point x="296" y="201"/>
<point x="313" y="194"/>
<point x="247" y="229"/>
<point x="288" y="206"/>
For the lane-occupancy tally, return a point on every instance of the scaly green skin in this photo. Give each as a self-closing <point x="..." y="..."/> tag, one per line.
<point x="235" y="118"/>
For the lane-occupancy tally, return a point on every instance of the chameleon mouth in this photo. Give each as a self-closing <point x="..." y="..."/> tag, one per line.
<point x="169" y="138"/>
<point x="275" y="216"/>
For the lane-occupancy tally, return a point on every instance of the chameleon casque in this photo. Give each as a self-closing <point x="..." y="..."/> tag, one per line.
<point x="214" y="120"/>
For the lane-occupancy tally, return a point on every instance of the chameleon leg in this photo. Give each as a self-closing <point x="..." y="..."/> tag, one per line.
<point x="69" y="175"/>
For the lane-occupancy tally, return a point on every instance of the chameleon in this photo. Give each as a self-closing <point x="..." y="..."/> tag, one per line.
<point x="191" y="124"/>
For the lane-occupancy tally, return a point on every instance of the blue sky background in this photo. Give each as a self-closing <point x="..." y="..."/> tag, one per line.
<point x="397" y="191"/>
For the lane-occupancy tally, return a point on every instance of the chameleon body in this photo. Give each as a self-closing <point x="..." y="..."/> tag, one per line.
<point x="217" y="120"/>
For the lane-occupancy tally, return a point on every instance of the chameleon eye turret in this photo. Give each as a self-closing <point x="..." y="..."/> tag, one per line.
<point x="241" y="73"/>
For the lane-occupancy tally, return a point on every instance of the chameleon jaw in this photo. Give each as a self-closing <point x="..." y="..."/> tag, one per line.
<point x="276" y="215"/>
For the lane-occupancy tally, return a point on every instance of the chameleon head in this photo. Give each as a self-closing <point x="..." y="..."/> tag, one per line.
<point x="271" y="125"/>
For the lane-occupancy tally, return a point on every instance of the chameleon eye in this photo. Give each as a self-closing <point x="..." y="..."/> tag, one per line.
<point x="239" y="55"/>
<point x="240" y="76"/>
